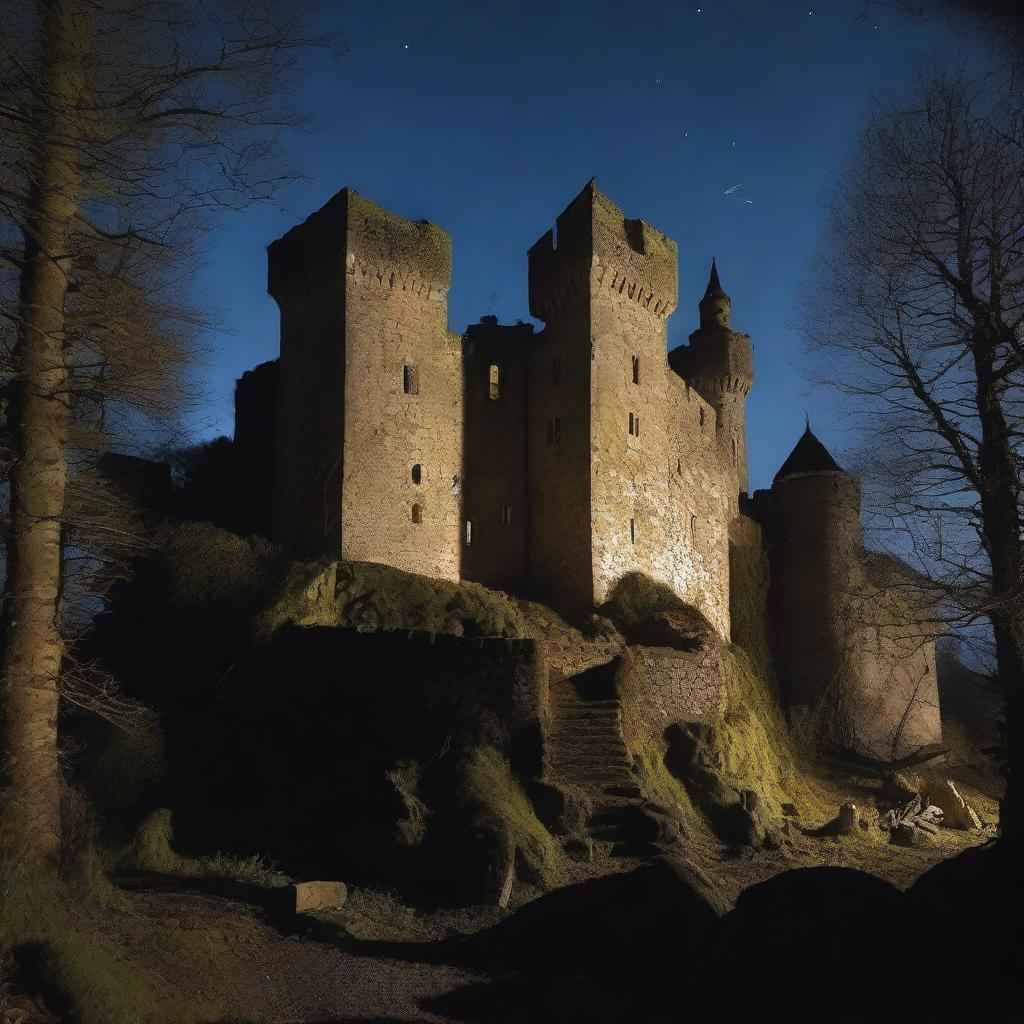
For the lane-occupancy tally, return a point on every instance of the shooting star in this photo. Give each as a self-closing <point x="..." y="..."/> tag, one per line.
<point x="729" y="191"/>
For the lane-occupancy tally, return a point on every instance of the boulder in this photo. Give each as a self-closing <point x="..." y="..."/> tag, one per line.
<point x="313" y="896"/>
<point x="848" y="819"/>
<point x="906" y="835"/>
<point x="956" y="811"/>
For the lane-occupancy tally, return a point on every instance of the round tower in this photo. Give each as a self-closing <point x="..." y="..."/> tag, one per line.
<point x="815" y="545"/>
<point x="719" y="363"/>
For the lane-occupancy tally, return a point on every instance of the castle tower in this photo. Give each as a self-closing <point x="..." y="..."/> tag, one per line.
<point x="854" y="634"/>
<point x="815" y="546"/>
<point x="719" y="363"/>
<point x="615" y="484"/>
<point x="369" y="400"/>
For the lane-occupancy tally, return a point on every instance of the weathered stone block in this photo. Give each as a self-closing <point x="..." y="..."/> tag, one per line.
<point x="312" y="896"/>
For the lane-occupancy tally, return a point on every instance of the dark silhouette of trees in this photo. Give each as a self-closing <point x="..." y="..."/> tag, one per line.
<point x="125" y="125"/>
<point x="919" y="318"/>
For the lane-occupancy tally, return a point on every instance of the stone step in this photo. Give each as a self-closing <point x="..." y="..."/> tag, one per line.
<point x="575" y="752"/>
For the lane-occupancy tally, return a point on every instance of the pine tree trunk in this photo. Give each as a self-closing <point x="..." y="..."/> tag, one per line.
<point x="30" y="797"/>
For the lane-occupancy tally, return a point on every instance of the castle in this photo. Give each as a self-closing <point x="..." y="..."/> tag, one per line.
<point x="556" y="462"/>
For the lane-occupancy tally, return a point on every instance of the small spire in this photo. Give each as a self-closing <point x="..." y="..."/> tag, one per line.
<point x="807" y="421"/>
<point x="714" y="285"/>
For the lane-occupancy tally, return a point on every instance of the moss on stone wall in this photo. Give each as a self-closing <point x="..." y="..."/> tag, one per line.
<point x="371" y="597"/>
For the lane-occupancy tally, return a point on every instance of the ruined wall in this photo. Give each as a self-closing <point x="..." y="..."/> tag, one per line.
<point x="494" y="453"/>
<point x="661" y="686"/>
<point x="558" y="414"/>
<point x="255" y="404"/>
<point x="657" y="496"/>
<point x="403" y="397"/>
<point x="893" y="706"/>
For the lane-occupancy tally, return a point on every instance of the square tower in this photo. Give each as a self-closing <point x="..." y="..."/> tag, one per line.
<point x="369" y="401"/>
<point x="630" y="485"/>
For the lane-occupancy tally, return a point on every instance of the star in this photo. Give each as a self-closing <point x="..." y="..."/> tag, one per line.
<point x="657" y="81"/>
<point x="407" y="46"/>
<point x="734" y="143"/>
<point x="685" y="134"/>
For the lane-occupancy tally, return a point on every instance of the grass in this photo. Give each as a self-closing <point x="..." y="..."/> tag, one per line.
<point x="369" y="597"/>
<point x="405" y="777"/>
<point x="52" y="932"/>
<point x="151" y="849"/>
<point x="636" y="598"/>
<point x="498" y="803"/>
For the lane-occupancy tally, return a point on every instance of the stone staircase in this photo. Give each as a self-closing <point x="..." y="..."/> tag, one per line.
<point x="584" y="749"/>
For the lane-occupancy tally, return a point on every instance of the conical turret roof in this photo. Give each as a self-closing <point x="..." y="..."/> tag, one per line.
<point x="714" y="285"/>
<point x="809" y="456"/>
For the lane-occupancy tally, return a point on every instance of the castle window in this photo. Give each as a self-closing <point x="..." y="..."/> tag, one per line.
<point x="417" y="514"/>
<point x="469" y="531"/>
<point x="494" y="382"/>
<point x="693" y="529"/>
<point x="679" y="466"/>
<point x="556" y="370"/>
<point x="417" y="473"/>
<point x="506" y="515"/>
<point x="636" y="369"/>
<point x="632" y="531"/>
<point x="410" y="379"/>
<point x="630" y="423"/>
<point x="702" y="417"/>
<point x="634" y="424"/>
<point x="734" y="451"/>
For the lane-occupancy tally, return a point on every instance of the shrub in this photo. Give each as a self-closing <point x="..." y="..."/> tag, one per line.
<point x="405" y="777"/>
<point x="498" y="803"/>
<point x="367" y="596"/>
<point x="636" y="598"/>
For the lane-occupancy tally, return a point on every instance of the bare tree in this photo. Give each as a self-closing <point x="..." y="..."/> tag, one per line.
<point x="919" y="318"/>
<point x="124" y="126"/>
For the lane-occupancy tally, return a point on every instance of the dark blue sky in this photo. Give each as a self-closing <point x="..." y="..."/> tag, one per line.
<point x="488" y="117"/>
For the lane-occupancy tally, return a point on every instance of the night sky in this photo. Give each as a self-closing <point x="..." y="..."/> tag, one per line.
<point x="487" y="118"/>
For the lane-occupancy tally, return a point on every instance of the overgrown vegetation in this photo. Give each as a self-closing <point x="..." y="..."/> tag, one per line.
<point x="371" y="597"/>
<point x="53" y="941"/>
<point x="152" y="849"/>
<point x="637" y="598"/>
<point x="498" y="804"/>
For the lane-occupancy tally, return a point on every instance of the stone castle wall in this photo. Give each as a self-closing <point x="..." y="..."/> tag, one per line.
<point x="403" y="397"/>
<point x="494" y="454"/>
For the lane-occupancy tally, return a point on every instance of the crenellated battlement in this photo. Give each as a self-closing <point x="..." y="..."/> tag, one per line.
<point x="352" y="236"/>
<point x="594" y="245"/>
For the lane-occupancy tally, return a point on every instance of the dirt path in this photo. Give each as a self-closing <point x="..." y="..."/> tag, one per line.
<point x="244" y="970"/>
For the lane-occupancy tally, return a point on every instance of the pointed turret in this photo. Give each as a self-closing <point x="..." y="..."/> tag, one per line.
<point x="808" y="456"/>
<point x="715" y="307"/>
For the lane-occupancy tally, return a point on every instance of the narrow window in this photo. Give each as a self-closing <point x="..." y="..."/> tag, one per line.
<point x="632" y="531"/>
<point x="556" y="370"/>
<point x="693" y="529"/>
<point x="679" y="467"/>
<point x="417" y="515"/>
<point x="417" y="473"/>
<point x="636" y="369"/>
<point x="469" y="531"/>
<point x="410" y="379"/>
<point x="702" y="417"/>
<point x="494" y="382"/>
<point x="636" y="424"/>
<point x="506" y="515"/>
<point x="631" y="424"/>
<point x="734" y="451"/>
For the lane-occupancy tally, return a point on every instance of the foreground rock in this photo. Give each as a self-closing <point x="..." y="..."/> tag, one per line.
<point x="956" y="811"/>
<point x="312" y="896"/>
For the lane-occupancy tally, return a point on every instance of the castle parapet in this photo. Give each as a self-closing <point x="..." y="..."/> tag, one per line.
<point x="595" y="245"/>
<point x="351" y="235"/>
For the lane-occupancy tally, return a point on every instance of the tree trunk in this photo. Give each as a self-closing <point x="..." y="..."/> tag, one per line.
<point x="1001" y="529"/>
<point x="30" y="798"/>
